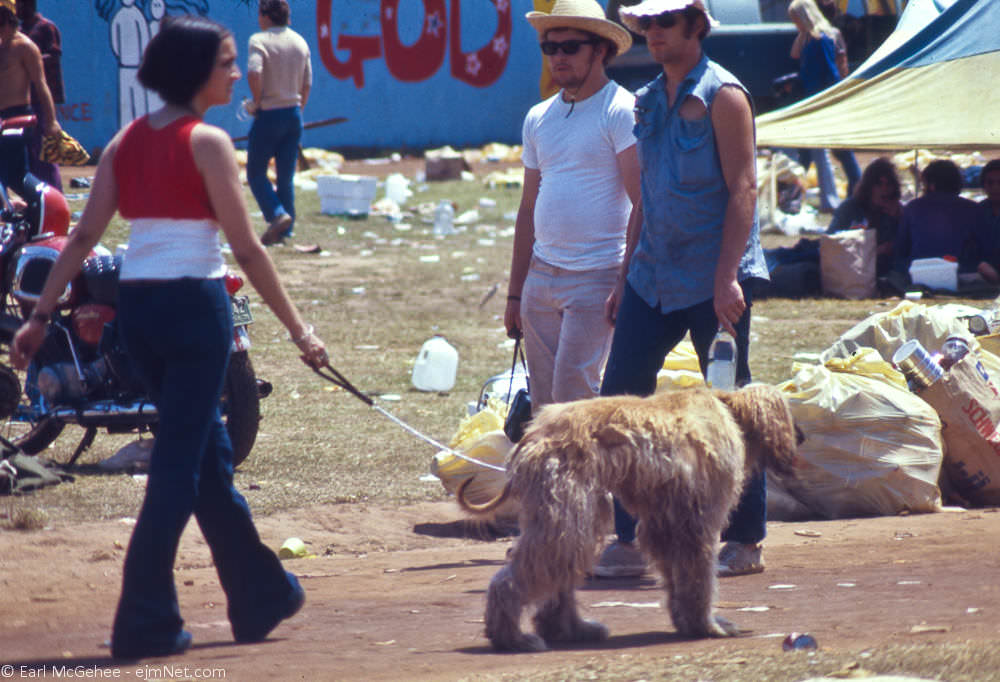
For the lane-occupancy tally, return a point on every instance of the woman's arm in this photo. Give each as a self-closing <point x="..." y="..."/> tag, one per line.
<point x="214" y="157"/>
<point x="97" y="214"/>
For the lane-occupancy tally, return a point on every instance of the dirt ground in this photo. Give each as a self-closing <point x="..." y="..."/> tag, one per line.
<point x="398" y="593"/>
<point x="402" y="589"/>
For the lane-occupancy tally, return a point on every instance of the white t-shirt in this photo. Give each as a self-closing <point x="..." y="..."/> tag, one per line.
<point x="582" y="209"/>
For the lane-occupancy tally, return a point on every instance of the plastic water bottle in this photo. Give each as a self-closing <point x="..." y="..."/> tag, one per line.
<point x="722" y="362"/>
<point x="444" y="216"/>
<point x="436" y="366"/>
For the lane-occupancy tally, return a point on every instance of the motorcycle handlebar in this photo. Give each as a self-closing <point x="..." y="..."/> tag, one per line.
<point x="25" y="121"/>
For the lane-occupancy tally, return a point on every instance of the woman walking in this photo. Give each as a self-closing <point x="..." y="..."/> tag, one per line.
<point x="175" y="178"/>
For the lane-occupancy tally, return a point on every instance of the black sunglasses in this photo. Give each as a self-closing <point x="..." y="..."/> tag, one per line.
<point x="665" y="20"/>
<point x="550" y="47"/>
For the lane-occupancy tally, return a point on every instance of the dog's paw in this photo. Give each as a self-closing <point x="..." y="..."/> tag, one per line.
<point x="726" y="628"/>
<point x="526" y="642"/>
<point x="592" y="631"/>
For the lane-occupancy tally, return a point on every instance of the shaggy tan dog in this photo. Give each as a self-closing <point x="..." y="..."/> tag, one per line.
<point x="676" y="460"/>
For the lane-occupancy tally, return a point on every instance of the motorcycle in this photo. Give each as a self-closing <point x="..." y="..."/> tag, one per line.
<point x="81" y="374"/>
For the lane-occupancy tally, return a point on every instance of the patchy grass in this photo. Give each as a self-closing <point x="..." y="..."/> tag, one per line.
<point x="375" y="293"/>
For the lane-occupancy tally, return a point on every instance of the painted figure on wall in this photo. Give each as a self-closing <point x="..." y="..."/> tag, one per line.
<point x="129" y="36"/>
<point x="157" y="10"/>
<point x="132" y="24"/>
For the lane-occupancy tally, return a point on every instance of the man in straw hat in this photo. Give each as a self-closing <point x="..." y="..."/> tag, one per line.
<point x="689" y="266"/>
<point x="581" y="176"/>
<point x="20" y="69"/>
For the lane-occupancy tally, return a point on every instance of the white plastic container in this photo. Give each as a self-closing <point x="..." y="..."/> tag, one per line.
<point x="345" y="194"/>
<point x="397" y="188"/>
<point x="444" y="218"/>
<point x="721" y="372"/>
<point x="436" y="366"/>
<point x="936" y="273"/>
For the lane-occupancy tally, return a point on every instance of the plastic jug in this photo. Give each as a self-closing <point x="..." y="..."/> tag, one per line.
<point x="721" y="372"/>
<point x="444" y="216"/>
<point x="397" y="188"/>
<point x="436" y="366"/>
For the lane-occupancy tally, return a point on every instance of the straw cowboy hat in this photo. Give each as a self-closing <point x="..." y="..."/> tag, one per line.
<point x="651" y="8"/>
<point x="582" y="15"/>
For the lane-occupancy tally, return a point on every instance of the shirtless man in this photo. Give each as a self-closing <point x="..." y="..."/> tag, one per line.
<point x="20" y="68"/>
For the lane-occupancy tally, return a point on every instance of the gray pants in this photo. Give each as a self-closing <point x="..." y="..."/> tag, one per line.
<point x="566" y="335"/>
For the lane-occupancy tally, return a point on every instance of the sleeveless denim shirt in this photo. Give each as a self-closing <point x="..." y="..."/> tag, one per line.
<point x="684" y="196"/>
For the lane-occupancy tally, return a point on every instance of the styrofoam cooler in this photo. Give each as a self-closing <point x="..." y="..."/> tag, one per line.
<point x="936" y="273"/>
<point x="345" y="194"/>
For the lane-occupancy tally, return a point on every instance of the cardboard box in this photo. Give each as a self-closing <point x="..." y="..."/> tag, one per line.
<point x="345" y="194"/>
<point x="968" y="403"/>
<point x="445" y="167"/>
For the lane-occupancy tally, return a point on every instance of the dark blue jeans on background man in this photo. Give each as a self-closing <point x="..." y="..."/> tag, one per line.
<point x="642" y="339"/>
<point x="178" y="335"/>
<point x="275" y="133"/>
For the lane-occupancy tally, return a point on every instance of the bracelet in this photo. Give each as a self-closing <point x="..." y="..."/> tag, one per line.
<point x="513" y="298"/>
<point x="37" y="316"/>
<point x="309" y="332"/>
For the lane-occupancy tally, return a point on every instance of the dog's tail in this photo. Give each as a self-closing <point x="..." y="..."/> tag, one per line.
<point x="485" y="507"/>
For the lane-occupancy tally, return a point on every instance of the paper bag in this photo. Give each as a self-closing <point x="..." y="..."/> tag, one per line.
<point x="847" y="264"/>
<point x="969" y="406"/>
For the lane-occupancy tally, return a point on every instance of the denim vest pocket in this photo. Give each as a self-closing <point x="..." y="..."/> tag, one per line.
<point x="694" y="151"/>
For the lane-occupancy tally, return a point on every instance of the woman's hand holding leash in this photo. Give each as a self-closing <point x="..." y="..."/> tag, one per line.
<point x="313" y="351"/>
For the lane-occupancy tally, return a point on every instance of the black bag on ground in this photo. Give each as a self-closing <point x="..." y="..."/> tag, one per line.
<point x="519" y="407"/>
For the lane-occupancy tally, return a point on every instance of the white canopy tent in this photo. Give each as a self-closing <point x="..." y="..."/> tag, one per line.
<point x="931" y="85"/>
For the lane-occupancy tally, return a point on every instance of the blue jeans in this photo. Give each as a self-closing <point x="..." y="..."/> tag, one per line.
<point x="178" y="335"/>
<point x="642" y="339"/>
<point x="14" y="156"/>
<point x="276" y="134"/>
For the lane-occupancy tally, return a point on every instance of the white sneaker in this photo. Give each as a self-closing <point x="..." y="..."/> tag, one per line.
<point x="620" y="560"/>
<point x="736" y="558"/>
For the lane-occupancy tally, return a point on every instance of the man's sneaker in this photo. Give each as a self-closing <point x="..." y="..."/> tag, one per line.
<point x="736" y="558"/>
<point x="620" y="560"/>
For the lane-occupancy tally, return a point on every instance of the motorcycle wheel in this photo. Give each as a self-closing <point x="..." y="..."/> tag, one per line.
<point x="241" y="405"/>
<point x="32" y="438"/>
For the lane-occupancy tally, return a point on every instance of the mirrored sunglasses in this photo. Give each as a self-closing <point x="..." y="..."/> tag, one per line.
<point x="550" y="47"/>
<point x="665" y="20"/>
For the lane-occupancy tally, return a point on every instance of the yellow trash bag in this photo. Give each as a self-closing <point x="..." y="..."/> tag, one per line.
<point x="871" y="447"/>
<point x="479" y="436"/>
<point x="886" y="332"/>
<point x="680" y="368"/>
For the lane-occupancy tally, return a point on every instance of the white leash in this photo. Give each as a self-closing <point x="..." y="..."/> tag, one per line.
<point x="340" y="380"/>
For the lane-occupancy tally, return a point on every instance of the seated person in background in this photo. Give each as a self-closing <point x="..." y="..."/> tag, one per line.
<point x="989" y="177"/>
<point x="874" y="205"/>
<point x="941" y="223"/>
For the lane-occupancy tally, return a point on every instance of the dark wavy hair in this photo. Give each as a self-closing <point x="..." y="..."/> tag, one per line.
<point x="275" y="10"/>
<point x="944" y="175"/>
<point x="990" y="167"/>
<point x="179" y="59"/>
<point x="874" y="172"/>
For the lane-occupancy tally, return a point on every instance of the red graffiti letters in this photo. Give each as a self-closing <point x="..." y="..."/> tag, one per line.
<point x="482" y="67"/>
<point x="78" y="111"/>
<point x="422" y="59"/>
<point x="980" y="420"/>
<point x="419" y="61"/>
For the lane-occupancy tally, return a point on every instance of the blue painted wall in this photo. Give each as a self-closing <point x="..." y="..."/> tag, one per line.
<point x="405" y="73"/>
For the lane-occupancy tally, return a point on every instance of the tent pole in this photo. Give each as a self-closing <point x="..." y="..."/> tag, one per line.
<point x="772" y="210"/>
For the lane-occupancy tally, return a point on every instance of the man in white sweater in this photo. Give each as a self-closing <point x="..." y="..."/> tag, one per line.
<point x="581" y="176"/>
<point x="280" y="76"/>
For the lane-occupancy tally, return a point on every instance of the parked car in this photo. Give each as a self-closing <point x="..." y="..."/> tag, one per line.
<point x="753" y="40"/>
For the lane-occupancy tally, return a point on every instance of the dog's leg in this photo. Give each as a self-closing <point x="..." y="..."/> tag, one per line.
<point x="694" y="589"/>
<point x="558" y="620"/>
<point x="503" y="614"/>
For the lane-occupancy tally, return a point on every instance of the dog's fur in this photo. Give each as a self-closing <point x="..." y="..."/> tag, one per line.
<point x="676" y="460"/>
